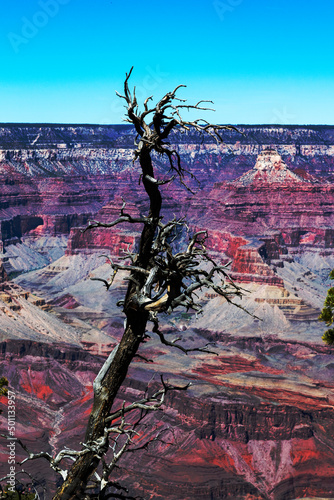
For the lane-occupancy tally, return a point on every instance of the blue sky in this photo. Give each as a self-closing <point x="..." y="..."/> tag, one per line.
<point x="260" y="61"/>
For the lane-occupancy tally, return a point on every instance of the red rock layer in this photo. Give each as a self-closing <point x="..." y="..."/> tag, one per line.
<point x="113" y="240"/>
<point x="224" y="444"/>
<point x="223" y="242"/>
<point x="255" y="211"/>
<point x="249" y="267"/>
<point x="251" y="257"/>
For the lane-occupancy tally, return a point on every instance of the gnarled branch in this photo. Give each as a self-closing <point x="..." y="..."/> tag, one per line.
<point x="124" y="217"/>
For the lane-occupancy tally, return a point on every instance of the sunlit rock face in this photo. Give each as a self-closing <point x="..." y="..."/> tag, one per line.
<point x="249" y="265"/>
<point x="271" y="197"/>
<point x="119" y="242"/>
<point x="257" y="422"/>
<point x="281" y="214"/>
<point x="270" y="170"/>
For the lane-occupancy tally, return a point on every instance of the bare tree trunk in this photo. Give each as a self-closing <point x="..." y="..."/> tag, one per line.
<point x="136" y="320"/>
<point x="76" y="481"/>
<point x="176" y="278"/>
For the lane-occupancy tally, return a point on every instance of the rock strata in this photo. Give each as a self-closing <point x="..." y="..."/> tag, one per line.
<point x="257" y="422"/>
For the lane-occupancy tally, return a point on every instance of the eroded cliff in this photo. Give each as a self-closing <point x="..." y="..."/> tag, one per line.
<point x="257" y="421"/>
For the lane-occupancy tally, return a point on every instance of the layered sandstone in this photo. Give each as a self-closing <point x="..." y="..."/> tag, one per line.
<point x="249" y="265"/>
<point x="270" y="170"/>
<point x="115" y="242"/>
<point x="235" y="435"/>
<point x="257" y="421"/>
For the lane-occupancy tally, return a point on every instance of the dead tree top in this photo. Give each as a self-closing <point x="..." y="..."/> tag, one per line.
<point x="154" y="124"/>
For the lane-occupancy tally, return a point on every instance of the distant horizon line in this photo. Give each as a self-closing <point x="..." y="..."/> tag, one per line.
<point x="129" y="125"/>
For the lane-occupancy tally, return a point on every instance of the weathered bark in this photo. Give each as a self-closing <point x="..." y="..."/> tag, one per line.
<point x="75" y="484"/>
<point x="144" y="273"/>
<point x="136" y="321"/>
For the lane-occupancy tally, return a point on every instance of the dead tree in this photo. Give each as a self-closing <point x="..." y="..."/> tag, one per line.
<point x="121" y="435"/>
<point x="160" y="280"/>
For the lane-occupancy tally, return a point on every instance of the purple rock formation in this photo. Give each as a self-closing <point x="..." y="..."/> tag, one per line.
<point x="258" y="421"/>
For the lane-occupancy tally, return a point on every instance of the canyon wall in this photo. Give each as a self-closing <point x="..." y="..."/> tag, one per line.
<point x="226" y="443"/>
<point x="55" y="178"/>
<point x="257" y="421"/>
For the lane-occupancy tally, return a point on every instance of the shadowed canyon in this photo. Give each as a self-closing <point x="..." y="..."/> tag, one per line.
<point x="258" y="420"/>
